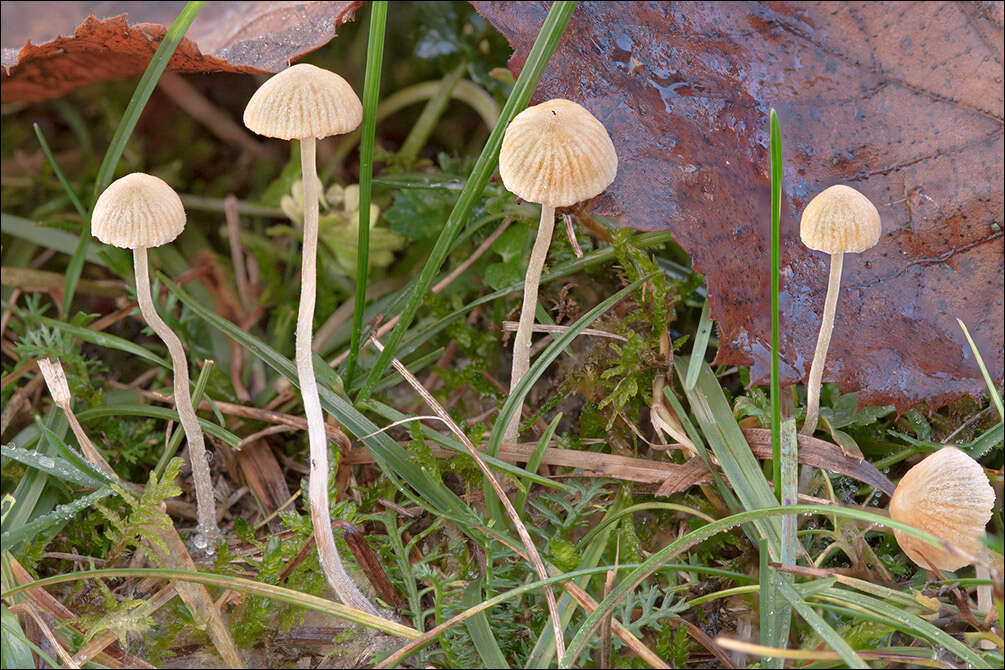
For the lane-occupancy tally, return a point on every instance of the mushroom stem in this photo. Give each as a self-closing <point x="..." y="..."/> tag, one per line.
<point x="823" y="342"/>
<point x="208" y="534"/>
<point x="521" y="343"/>
<point x="328" y="554"/>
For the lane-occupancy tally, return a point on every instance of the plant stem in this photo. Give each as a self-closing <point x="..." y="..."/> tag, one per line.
<point x="208" y="534"/>
<point x="823" y="342"/>
<point x="521" y="343"/>
<point x="331" y="563"/>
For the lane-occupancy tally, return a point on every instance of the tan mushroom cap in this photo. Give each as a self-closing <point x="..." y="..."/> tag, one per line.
<point x="948" y="495"/>
<point x="557" y="153"/>
<point x="304" y="101"/>
<point x="840" y="220"/>
<point x="138" y="211"/>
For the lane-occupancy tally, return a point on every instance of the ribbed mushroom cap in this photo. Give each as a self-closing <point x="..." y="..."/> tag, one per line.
<point x="840" y="220"/>
<point x="948" y="495"/>
<point x="304" y="101"/>
<point x="138" y="210"/>
<point x="557" y="154"/>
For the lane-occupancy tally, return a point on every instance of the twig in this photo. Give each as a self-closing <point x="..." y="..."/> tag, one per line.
<point x="576" y="249"/>
<point x="532" y="553"/>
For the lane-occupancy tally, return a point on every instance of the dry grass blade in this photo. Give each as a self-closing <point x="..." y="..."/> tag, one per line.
<point x="532" y="554"/>
<point x="822" y="654"/>
<point x="548" y="328"/>
<point x="29" y="609"/>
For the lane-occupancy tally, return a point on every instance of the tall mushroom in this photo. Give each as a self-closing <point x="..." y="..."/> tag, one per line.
<point x="837" y="221"/>
<point x="304" y="103"/>
<point x="137" y="212"/>
<point x="556" y="154"/>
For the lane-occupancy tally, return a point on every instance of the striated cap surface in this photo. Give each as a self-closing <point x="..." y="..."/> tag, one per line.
<point x="840" y="220"/>
<point x="948" y="495"/>
<point x="557" y="153"/>
<point x="138" y="210"/>
<point x="303" y="101"/>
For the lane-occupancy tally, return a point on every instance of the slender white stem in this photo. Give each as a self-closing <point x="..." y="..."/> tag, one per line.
<point x="331" y="562"/>
<point x="521" y="343"/>
<point x="207" y="534"/>
<point x="823" y="342"/>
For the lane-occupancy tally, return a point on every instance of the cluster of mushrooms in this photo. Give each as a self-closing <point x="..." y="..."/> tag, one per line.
<point x="556" y="154"/>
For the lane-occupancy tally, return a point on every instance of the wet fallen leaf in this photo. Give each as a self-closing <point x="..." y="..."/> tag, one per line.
<point x="119" y="38"/>
<point x="902" y="101"/>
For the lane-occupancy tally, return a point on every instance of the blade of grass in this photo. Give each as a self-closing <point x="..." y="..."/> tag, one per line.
<point x="544" y="46"/>
<point x="992" y="391"/>
<point x="152" y="412"/>
<point x="393" y="460"/>
<point x="371" y="96"/>
<point x="655" y="562"/>
<point x="172" y="447"/>
<point x="698" y="350"/>
<point x="238" y="584"/>
<point x="57" y="517"/>
<point x="55" y="466"/>
<point x="50" y="238"/>
<point x="479" y="630"/>
<point x="515" y="399"/>
<point x="70" y="193"/>
<point x="428" y="119"/>
<point x="534" y="462"/>
<point x="775" y="148"/>
<point x="100" y="339"/>
<point x="124" y="130"/>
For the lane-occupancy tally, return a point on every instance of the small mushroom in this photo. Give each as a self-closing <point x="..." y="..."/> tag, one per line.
<point x="137" y="212"/>
<point x="556" y="154"/>
<point x="837" y="221"/>
<point x="948" y="495"/>
<point x="304" y="103"/>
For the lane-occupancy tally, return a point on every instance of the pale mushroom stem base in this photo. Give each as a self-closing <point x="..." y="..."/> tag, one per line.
<point x="331" y="562"/>
<point x="208" y="534"/>
<point x="823" y="342"/>
<point x="522" y="340"/>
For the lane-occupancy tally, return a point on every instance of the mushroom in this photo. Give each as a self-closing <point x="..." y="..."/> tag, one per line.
<point x="948" y="495"/>
<point x="837" y="221"/>
<point x="305" y="102"/>
<point x="137" y="212"/>
<point x="556" y="154"/>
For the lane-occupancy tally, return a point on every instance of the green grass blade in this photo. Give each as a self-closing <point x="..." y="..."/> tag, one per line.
<point x="30" y="488"/>
<point x="103" y="340"/>
<point x="655" y="562"/>
<point x="54" y="466"/>
<point x="775" y="148"/>
<point x="534" y="462"/>
<point x="57" y="517"/>
<point x="152" y="412"/>
<point x="515" y="399"/>
<point x="537" y="60"/>
<point x="371" y="96"/>
<point x="390" y="456"/>
<point x="726" y="440"/>
<point x="238" y="584"/>
<point x="50" y="238"/>
<point x="197" y="392"/>
<point x="70" y="193"/>
<point x="430" y="116"/>
<point x="145" y="87"/>
<point x="700" y="345"/>
<point x="819" y="625"/>
<point x="905" y="621"/>
<point x="992" y="391"/>
<point x="478" y="628"/>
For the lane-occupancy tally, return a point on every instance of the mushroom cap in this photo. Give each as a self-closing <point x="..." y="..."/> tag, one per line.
<point x="840" y="220"/>
<point x="138" y="211"/>
<point x="557" y="153"/>
<point x="304" y="101"/>
<point x="948" y="495"/>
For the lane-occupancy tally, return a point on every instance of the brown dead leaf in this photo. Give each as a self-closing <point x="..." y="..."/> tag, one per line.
<point x="118" y="39"/>
<point x="903" y="101"/>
